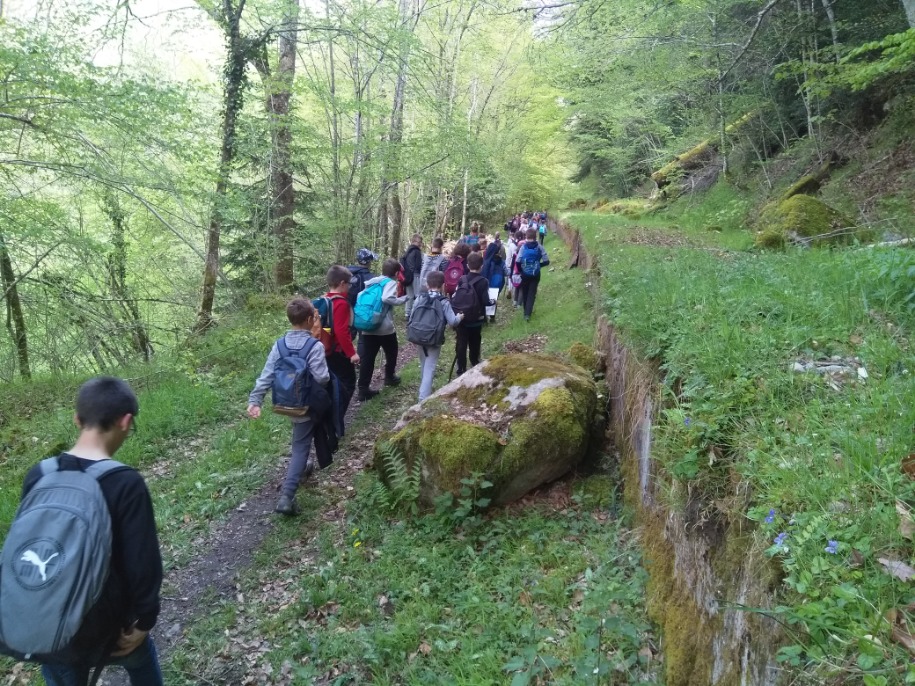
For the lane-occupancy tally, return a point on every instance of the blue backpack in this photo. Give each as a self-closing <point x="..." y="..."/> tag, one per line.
<point x="295" y="391"/>
<point x="529" y="260"/>
<point x="369" y="310"/>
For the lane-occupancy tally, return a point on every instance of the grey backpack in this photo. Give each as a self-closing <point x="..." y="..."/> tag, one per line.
<point x="427" y="321"/>
<point x="55" y="560"/>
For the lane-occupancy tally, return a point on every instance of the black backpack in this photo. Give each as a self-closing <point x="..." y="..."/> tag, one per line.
<point x="427" y="321"/>
<point x="466" y="300"/>
<point x="356" y="285"/>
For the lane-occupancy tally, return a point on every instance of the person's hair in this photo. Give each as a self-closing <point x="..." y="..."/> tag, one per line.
<point x="299" y="310"/>
<point x="416" y="238"/>
<point x="476" y="247"/>
<point x="103" y="400"/>
<point x="475" y="227"/>
<point x="337" y="274"/>
<point x="435" y="279"/>
<point x="474" y="261"/>
<point x="532" y="234"/>
<point x="498" y="236"/>
<point x="461" y="250"/>
<point x="390" y="267"/>
<point x="437" y="243"/>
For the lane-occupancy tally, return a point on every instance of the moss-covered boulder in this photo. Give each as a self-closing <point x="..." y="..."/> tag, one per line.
<point x="521" y="421"/>
<point x="800" y="219"/>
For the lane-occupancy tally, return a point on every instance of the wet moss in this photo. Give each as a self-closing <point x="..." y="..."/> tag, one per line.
<point x="807" y="185"/>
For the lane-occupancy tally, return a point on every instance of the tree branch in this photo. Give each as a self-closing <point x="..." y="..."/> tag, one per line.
<point x="746" y="46"/>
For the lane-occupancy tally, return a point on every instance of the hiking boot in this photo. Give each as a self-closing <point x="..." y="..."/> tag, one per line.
<point x="366" y="394"/>
<point x="393" y="381"/>
<point x="527" y="318"/>
<point x="286" y="506"/>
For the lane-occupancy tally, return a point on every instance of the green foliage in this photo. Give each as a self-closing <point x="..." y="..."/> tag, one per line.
<point x="876" y="61"/>
<point x="400" y="489"/>
<point x="725" y="329"/>
<point x="465" y="509"/>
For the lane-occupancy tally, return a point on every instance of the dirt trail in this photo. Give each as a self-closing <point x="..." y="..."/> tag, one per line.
<point x="212" y="574"/>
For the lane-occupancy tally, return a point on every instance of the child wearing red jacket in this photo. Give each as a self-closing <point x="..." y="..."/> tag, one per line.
<point x="342" y="357"/>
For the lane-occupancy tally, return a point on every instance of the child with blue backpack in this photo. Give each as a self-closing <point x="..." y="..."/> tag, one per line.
<point x="380" y="296"/>
<point x="302" y="341"/>
<point x="530" y="258"/>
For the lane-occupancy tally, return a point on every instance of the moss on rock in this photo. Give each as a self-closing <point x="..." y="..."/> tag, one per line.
<point x="799" y="217"/>
<point x="521" y="422"/>
<point x="586" y="357"/>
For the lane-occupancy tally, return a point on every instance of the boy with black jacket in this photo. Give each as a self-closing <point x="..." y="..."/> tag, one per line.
<point x="106" y="408"/>
<point x="470" y="330"/>
<point x="412" y="263"/>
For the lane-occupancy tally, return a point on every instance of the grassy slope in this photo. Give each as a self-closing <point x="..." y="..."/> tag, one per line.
<point x="726" y="327"/>
<point x="364" y="596"/>
<point x="484" y="600"/>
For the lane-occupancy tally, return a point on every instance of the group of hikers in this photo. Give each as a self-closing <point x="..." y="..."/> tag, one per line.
<point x="83" y="545"/>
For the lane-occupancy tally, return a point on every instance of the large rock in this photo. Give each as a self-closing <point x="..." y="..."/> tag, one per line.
<point x="801" y="219"/>
<point x="522" y="421"/>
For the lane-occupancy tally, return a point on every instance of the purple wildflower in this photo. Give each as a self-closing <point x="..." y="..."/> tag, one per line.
<point x="780" y="539"/>
<point x="687" y="421"/>
<point x="832" y="548"/>
<point x="771" y="517"/>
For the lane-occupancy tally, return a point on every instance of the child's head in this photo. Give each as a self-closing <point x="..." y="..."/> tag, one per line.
<point x="435" y="280"/>
<point x="437" y="244"/>
<point x="532" y="234"/>
<point x="102" y="402"/>
<point x="461" y="250"/>
<point x="476" y="247"/>
<point x="475" y="262"/>
<point x="390" y="267"/>
<point x="417" y="240"/>
<point x="338" y="277"/>
<point x="300" y="312"/>
<point x="365" y="257"/>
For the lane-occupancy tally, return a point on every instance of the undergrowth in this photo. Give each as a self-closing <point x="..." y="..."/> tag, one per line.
<point x="733" y="335"/>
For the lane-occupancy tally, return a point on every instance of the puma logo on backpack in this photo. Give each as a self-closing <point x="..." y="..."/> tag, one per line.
<point x="55" y="561"/>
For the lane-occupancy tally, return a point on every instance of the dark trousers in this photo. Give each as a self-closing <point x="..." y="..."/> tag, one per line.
<point x="468" y="337"/>
<point x="345" y="371"/>
<point x="369" y="345"/>
<point x="529" y="294"/>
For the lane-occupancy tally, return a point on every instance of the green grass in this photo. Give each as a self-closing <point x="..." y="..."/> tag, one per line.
<point x="514" y="596"/>
<point x="725" y="329"/>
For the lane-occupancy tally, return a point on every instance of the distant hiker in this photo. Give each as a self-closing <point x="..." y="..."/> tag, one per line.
<point x="470" y="299"/>
<point x="112" y="504"/>
<point x="361" y="272"/>
<point x="495" y="269"/>
<point x="511" y="249"/>
<point x="520" y="240"/>
<point x="301" y="359"/>
<point x="455" y="268"/>
<point x="382" y="335"/>
<point x="541" y="230"/>
<point x="434" y="261"/>
<point x="426" y="328"/>
<point x="342" y="357"/>
<point x="412" y="264"/>
<point x="531" y="257"/>
<point x="474" y="237"/>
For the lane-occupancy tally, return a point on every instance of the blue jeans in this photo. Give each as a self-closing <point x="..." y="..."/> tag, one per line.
<point x="142" y="666"/>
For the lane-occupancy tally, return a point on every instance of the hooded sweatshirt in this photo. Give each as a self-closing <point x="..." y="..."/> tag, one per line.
<point x="431" y="263"/>
<point x="390" y="299"/>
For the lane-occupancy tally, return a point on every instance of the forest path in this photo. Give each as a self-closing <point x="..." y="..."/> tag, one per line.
<point x="211" y="576"/>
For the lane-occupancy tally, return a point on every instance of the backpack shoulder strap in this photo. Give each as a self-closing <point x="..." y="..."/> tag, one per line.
<point x="282" y="347"/>
<point x="305" y="349"/>
<point x="49" y="465"/>
<point x="102" y="467"/>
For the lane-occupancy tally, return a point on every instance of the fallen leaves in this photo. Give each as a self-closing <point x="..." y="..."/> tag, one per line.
<point x="897" y="568"/>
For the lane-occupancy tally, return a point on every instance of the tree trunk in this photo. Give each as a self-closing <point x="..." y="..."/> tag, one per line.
<point x="282" y="191"/>
<point x="233" y="97"/>
<point x="909" y="6"/>
<point x="117" y="273"/>
<point x="396" y="135"/>
<point x="15" y="321"/>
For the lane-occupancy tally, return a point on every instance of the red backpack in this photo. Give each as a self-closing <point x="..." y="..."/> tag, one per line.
<point x="454" y="270"/>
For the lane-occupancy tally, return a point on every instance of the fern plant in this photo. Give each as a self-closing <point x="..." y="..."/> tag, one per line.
<point x="402" y="487"/>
